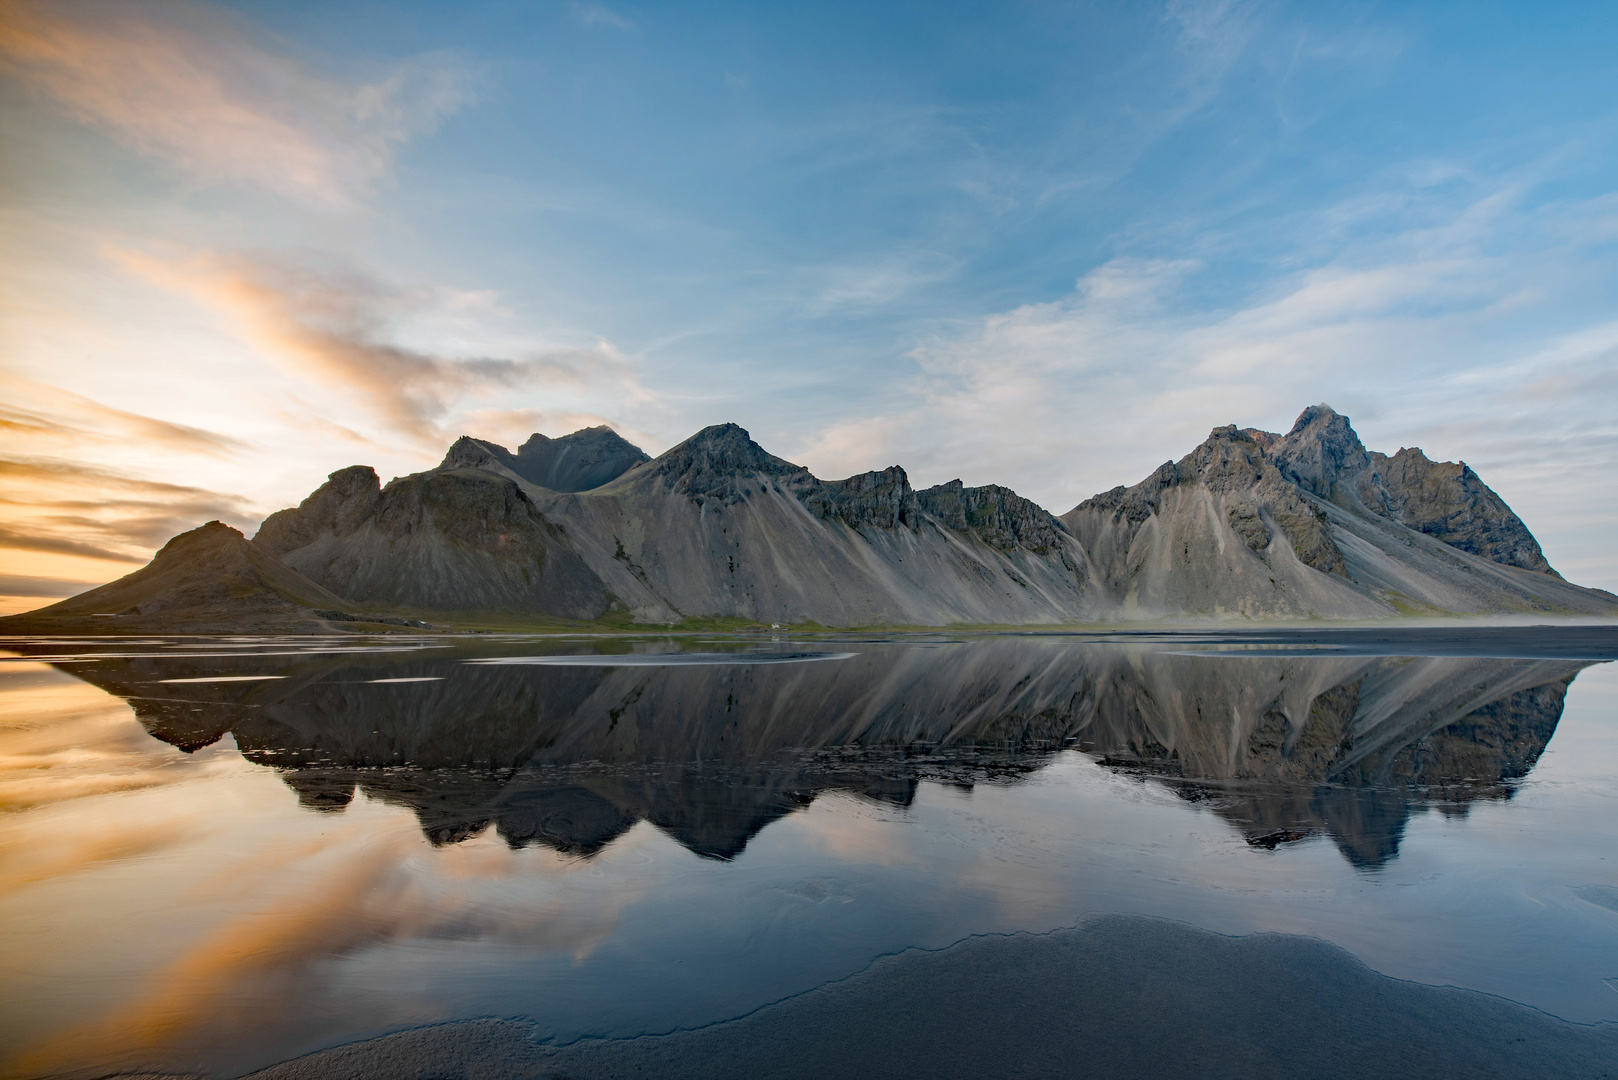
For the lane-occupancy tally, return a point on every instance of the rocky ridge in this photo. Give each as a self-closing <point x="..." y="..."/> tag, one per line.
<point x="583" y="460"/>
<point x="1311" y="524"/>
<point x="1250" y="524"/>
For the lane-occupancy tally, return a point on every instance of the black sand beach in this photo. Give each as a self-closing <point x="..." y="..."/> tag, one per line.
<point x="1117" y="997"/>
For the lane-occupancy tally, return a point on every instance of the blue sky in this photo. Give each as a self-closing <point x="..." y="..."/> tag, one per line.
<point x="1043" y="245"/>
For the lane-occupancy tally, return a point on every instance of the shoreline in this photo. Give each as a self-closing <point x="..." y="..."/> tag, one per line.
<point x="1116" y="996"/>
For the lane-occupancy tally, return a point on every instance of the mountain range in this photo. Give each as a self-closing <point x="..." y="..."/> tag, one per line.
<point x="589" y="529"/>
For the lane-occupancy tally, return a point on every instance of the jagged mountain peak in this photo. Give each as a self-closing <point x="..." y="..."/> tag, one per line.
<point x="1167" y="542"/>
<point x="580" y="461"/>
<point x="467" y="452"/>
<point x="711" y="461"/>
<point x="339" y="506"/>
<point x="723" y="435"/>
<point x="1321" y="449"/>
<point x="1315" y="416"/>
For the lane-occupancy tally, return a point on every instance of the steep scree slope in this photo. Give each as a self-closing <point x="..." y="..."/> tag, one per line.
<point x="1310" y="523"/>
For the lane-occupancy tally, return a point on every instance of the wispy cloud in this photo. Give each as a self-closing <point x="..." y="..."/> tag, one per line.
<point x="22" y="539"/>
<point x="23" y="585"/>
<point x="42" y="412"/>
<point x="1425" y="338"/>
<point x="66" y="508"/>
<point x="599" y="15"/>
<point x="340" y="328"/>
<point x="194" y="85"/>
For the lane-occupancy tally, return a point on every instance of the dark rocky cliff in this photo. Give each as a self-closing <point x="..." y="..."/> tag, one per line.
<point x="996" y="515"/>
<point x="1447" y="500"/>
<point x="584" y="460"/>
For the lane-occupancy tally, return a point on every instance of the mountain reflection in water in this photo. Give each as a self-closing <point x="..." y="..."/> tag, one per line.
<point x="571" y="756"/>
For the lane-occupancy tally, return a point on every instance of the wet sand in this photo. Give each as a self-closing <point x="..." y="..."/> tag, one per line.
<point x="1119" y="996"/>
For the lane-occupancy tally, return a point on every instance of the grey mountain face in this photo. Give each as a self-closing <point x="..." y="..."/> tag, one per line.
<point x="578" y="462"/>
<point x="1251" y="524"/>
<point x="717" y="526"/>
<point x="465" y="539"/>
<point x="714" y="527"/>
<point x="1311" y="524"/>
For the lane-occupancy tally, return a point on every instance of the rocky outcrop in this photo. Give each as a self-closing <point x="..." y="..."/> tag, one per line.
<point x="344" y="503"/>
<point x="1446" y="500"/>
<point x="581" y="461"/>
<point x="995" y="515"/>
<point x="883" y="500"/>
<point x="465" y="540"/>
<point x="1311" y="524"/>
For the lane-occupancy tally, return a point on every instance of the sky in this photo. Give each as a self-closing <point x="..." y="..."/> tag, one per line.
<point x="1041" y="245"/>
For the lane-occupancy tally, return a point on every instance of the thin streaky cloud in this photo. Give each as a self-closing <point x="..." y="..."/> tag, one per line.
<point x="338" y="327"/>
<point x="25" y="540"/>
<point x="60" y="471"/>
<point x="67" y="508"/>
<point x="190" y="84"/>
<point x="62" y="414"/>
<point x="24" y="585"/>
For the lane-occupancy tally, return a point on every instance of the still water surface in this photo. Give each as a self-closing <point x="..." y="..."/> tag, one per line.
<point x="222" y="853"/>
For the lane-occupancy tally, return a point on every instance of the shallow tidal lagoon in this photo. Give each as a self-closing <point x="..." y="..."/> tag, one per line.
<point x="512" y="856"/>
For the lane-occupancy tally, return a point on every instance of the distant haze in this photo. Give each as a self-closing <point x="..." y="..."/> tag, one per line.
<point x="1048" y="246"/>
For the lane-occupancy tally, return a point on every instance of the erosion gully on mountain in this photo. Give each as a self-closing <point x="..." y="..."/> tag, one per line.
<point x="586" y="528"/>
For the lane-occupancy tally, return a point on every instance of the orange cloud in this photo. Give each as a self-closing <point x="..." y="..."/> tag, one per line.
<point x="336" y="327"/>
<point x="511" y="427"/>
<point x="63" y="508"/>
<point x="61" y="416"/>
<point x="187" y="82"/>
<point x="359" y="888"/>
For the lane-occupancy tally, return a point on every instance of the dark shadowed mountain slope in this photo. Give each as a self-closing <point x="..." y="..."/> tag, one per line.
<point x="210" y="579"/>
<point x="1309" y="524"/>
<point x="578" y="462"/>
<point x="457" y="540"/>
